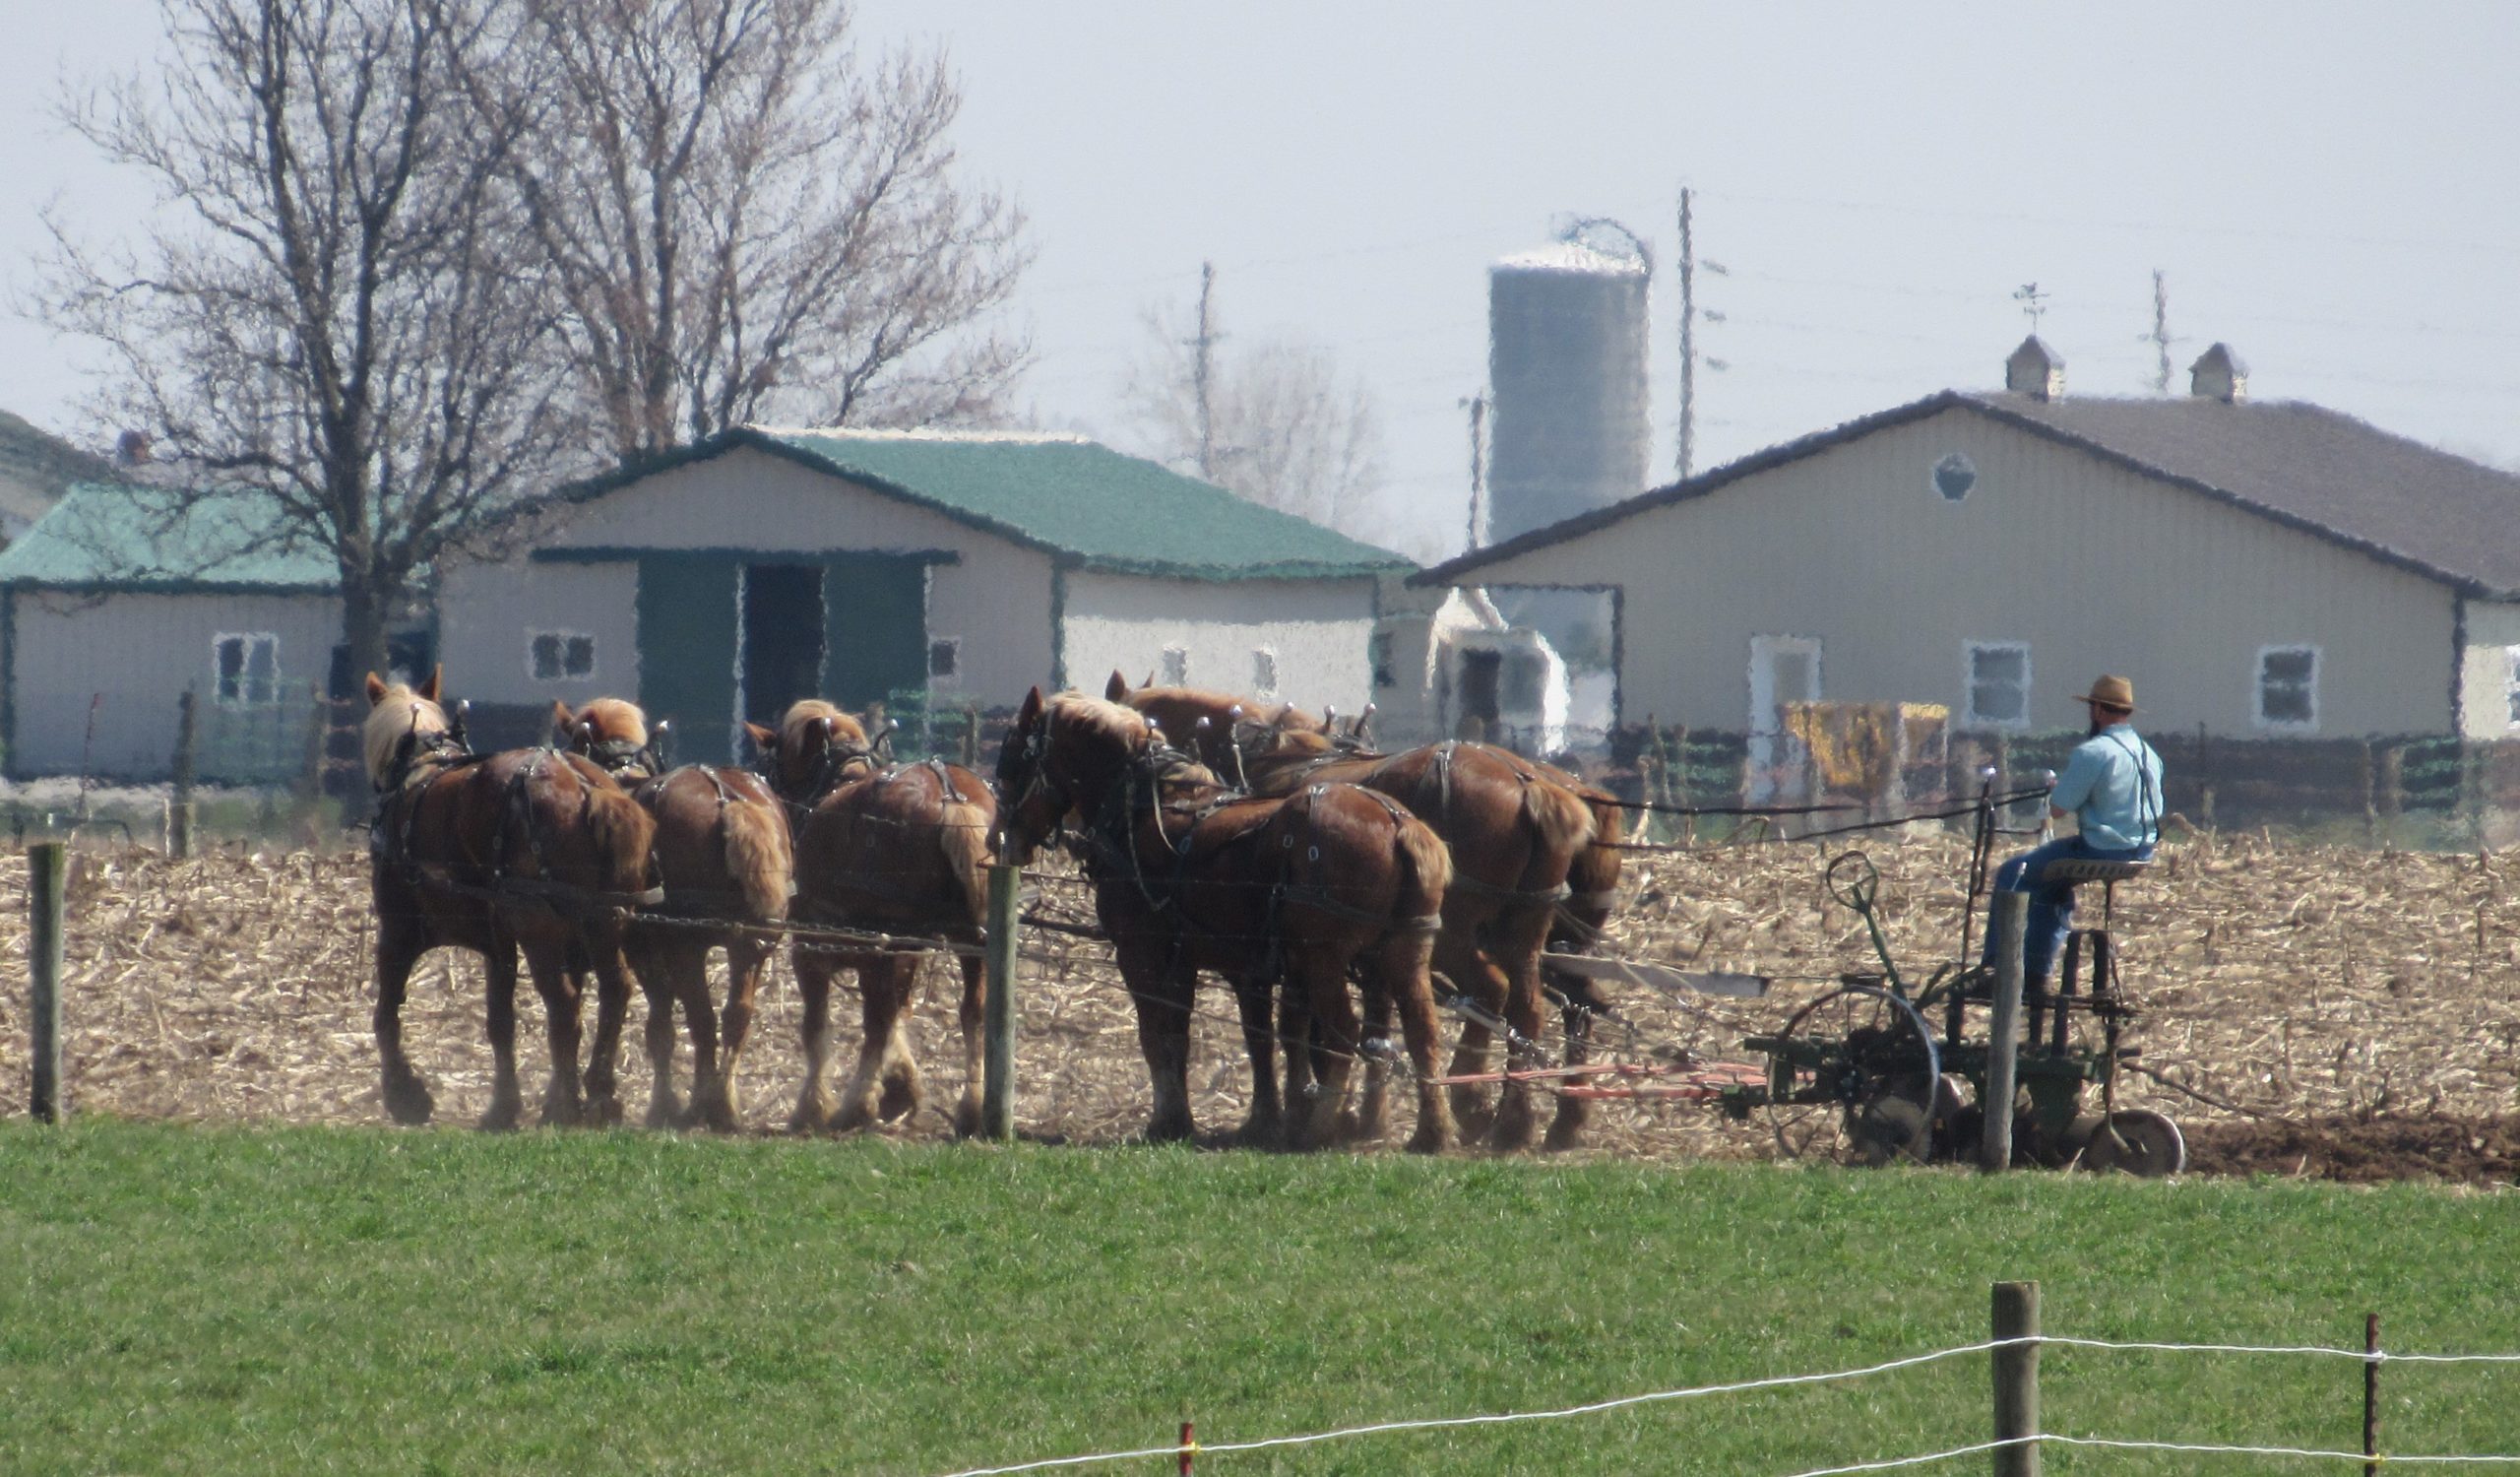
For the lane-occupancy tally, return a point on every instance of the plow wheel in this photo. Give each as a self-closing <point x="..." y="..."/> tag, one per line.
<point x="2135" y="1141"/>
<point x="1855" y="1079"/>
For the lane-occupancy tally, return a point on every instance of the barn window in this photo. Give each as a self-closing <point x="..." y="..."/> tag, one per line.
<point x="1175" y="669"/>
<point x="1263" y="673"/>
<point x="248" y="667"/>
<point x="2511" y="682"/>
<point x="944" y="658"/>
<point x="560" y="656"/>
<point x="2288" y="689"/>
<point x="1998" y="685"/>
<point x="1954" y="475"/>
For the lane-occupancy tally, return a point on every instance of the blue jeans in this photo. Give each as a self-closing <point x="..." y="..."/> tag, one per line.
<point x="2051" y="908"/>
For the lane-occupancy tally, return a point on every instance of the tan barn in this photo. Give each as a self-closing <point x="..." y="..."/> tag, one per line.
<point x="2259" y="568"/>
<point x="763" y="565"/>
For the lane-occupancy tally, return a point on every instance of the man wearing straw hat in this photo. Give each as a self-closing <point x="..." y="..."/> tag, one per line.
<point x="2112" y="788"/>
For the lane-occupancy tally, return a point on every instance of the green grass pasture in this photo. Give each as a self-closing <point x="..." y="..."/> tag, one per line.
<point x="282" y="1301"/>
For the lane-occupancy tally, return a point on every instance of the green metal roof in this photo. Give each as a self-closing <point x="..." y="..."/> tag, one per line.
<point x="1094" y="506"/>
<point x="119" y="537"/>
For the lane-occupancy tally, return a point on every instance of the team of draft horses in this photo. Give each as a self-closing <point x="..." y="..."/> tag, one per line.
<point x="1277" y="852"/>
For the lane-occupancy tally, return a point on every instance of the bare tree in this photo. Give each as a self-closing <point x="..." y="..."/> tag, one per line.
<point x="326" y="333"/>
<point x="1276" y="423"/>
<point x="743" y="222"/>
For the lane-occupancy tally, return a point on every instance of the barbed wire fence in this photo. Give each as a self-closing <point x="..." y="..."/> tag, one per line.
<point x="2014" y="1366"/>
<point x="2356" y="942"/>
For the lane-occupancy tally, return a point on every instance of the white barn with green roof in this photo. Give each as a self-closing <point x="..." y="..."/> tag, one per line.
<point x="764" y="566"/>
<point x="123" y="598"/>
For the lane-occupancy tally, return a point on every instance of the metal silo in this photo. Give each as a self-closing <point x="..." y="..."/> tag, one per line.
<point x="1566" y="364"/>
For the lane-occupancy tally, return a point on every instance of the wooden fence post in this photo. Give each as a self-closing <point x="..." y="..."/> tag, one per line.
<point x="971" y="735"/>
<point x="2371" y="777"/>
<point x="47" y="871"/>
<point x="997" y="1094"/>
<point x="2016" y="1368"/>
<point x="2003" y="1031"/>
<point x="179" y="803"/>
<point x="2371" y="1395"/>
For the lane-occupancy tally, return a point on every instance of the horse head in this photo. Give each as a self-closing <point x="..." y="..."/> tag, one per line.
<point x="611" y="731"/>
<point x="1061" y="754"/>
<point x="404" y="725"/>
<point x="813" y="750"/>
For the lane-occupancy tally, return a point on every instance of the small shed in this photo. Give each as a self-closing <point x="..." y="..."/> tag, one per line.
<point x="762" y="566"/>
<point x="123" y="598"/>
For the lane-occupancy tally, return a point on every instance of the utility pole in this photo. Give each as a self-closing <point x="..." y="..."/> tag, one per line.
<point x="2160" y="336"/>
<point x="1201" y="366"/>
<point x="1478" y="405"/>
<point x="1688" y="341"/>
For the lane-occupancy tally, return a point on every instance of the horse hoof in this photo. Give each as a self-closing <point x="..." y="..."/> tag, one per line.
<point x="1564" y="1135"/>
<point x="809" y="1117"/>
<point x="967" y="1120"/>
<point x="602" y="1113"/>
<point x="409" y="1103"/>
<point x="901" y="1100"/>
<point x="665" y="1114"/>
<point x="1512" y="1128"/>
<point x="851" y="1118"/>
<point x="1426" y="1140"/>
<point x="501" y="1118"/>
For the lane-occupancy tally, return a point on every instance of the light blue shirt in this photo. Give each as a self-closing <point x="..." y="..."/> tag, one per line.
<point x="2112" y="785"/>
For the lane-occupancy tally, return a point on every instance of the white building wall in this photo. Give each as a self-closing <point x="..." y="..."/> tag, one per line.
<point x="2096" y="567"/>
<point x="2486" y="670"/>
<point x="996" y="597"/>
<point x="1317" y="630"/>
<point x="134" y="654"/>
<point x="488" y="614"/>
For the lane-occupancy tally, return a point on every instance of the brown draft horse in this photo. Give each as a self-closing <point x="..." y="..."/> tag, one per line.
<point x="1516" y="836"/>
<point x="1191" y="876"/>
<point x="529" y="849"/>
<point x="880" y="849"/>
<point x="724" y="856"/>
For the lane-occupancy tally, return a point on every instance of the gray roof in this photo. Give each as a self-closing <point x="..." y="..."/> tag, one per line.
<point x="36" y="468"/>
<point x="2303" y="466"/>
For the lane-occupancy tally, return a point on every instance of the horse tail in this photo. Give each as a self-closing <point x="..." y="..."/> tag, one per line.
<point x="759" y="857"/>
<point x="963" y="834"/>
<point x="1428" y="870"/>
<point x="1559" y="819"/>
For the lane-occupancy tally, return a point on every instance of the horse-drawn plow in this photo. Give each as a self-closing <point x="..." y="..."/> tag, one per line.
<point x="1733" y="1002"/>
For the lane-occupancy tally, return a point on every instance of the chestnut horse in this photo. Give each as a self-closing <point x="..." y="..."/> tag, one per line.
<point x="724" y="855"/>
<point x="529" y="849"/>
<point x="1514" y="837"/>
<point x="1190" y="876"/>
<point x="897" y="850"/>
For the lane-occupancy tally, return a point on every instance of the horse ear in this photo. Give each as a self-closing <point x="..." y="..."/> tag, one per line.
<point x="560" y="722"/>
<point x="428" y="689"/>
<point x="765" y="740"/>
<point x="1030" y="712"/>
<point x="375" y="690"/>
<point x="1116" y="690"/>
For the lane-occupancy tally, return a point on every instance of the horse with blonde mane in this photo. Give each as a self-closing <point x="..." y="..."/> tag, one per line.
<point x="898" y="851"/>
<point x="1517" y="835"/>
<point x="1190" y="876"/>
<point x="530" y="850"/>
<point x="728" y="865"/>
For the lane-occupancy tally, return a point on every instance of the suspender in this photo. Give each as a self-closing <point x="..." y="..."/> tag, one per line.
<point x="2147" y="814"/>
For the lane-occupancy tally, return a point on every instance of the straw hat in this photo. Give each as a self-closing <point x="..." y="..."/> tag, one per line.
<point x="2110" y="692"/>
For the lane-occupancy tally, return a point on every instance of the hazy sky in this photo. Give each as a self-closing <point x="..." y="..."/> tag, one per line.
<point x="2329" y="188"/>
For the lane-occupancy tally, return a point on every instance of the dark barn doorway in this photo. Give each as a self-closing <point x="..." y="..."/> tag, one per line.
<point x="782" y="638"/>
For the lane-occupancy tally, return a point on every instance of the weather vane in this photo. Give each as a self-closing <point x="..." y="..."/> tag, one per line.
<point x="2031" y="301"/>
